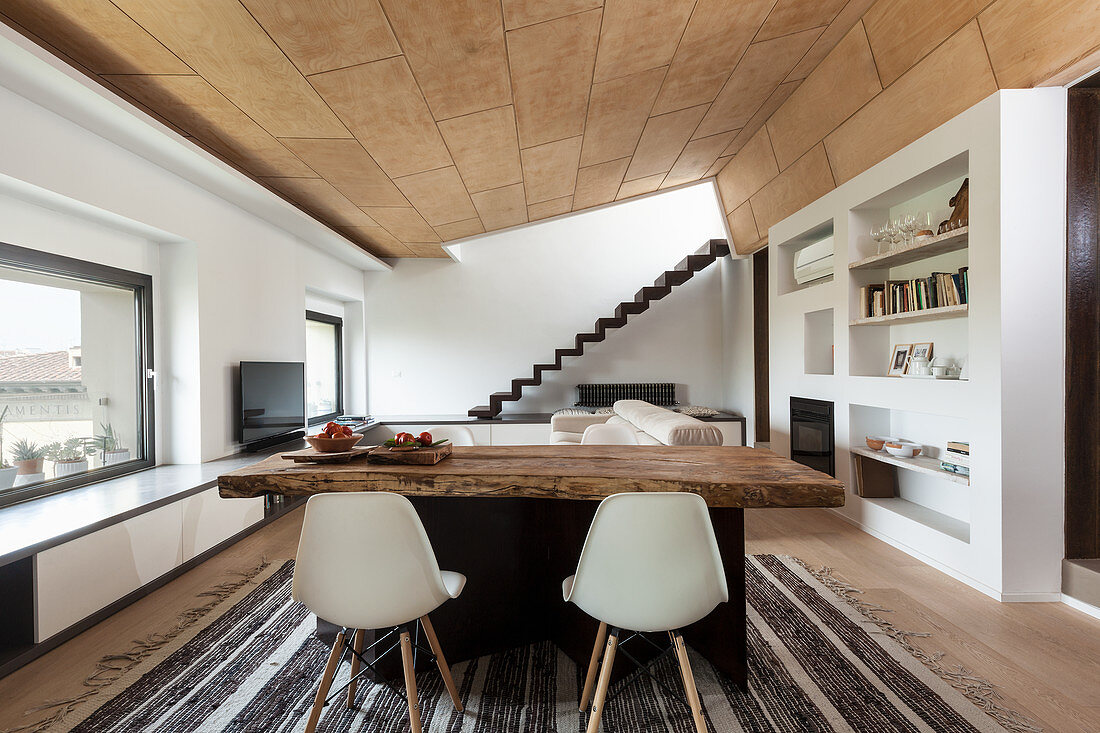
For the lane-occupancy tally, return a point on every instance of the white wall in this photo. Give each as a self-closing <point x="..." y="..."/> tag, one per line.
<point x="442" y="336"/>
<point x="234" y="284"/>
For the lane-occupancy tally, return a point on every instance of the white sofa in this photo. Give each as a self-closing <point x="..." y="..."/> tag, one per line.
<point x="652" y="425"/>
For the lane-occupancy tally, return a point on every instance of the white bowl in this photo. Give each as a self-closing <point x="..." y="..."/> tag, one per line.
<point x="903" y="448"/>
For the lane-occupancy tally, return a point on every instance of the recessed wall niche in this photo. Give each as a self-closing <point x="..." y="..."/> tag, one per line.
<point x="818" y="341"/>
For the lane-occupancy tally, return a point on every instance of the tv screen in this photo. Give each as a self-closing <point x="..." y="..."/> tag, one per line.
<point x="273" y="398"/>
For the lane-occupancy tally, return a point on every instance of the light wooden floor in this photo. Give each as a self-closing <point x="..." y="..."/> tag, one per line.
<point x="1045" y="657"/>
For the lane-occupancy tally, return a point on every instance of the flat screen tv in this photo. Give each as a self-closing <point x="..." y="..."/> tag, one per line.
<point x="273" y="399"/>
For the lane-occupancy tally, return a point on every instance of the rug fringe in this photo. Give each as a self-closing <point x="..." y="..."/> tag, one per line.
<point x="978" y="690"/>
<point x="112" y="667"/>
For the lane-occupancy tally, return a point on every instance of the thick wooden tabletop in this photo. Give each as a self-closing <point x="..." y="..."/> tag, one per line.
<point x="723" y="476"/>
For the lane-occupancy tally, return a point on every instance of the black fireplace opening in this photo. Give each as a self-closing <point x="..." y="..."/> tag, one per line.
<point x="812" y="441"/>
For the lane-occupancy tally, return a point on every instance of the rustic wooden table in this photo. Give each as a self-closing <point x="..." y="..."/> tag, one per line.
<point x="513" y="519"/>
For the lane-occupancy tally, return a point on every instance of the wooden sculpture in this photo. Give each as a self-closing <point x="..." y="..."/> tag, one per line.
<point x="960" y="215"/>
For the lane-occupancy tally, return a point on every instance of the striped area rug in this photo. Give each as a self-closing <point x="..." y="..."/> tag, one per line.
<point x="816" y="663"/>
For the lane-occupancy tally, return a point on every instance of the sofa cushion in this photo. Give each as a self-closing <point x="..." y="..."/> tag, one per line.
<point x="559" y="437"/>
<point x="666" y="426"/>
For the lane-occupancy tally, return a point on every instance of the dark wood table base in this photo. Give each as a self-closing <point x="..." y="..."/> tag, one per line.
<point x="515" y="553"/>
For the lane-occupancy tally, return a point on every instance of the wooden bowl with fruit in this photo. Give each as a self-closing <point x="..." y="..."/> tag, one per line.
<point x="334" y="438"/>
<point x="403" y="442"/>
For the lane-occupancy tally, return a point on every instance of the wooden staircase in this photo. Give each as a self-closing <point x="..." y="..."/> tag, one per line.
<point x="661" y="287"/>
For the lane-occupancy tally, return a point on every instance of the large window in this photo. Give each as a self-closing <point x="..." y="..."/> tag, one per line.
<point x="324" y="370"/>
<point x="75" y="373"/>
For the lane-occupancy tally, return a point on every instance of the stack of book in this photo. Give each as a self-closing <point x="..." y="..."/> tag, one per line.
<point x="938" y="290"/>
<point x="956" y="458"/>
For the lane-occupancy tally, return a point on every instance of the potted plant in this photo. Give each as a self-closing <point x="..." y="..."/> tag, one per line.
<point x="27" y="457"/>
<point x="110" y="446"/>
<point x="69" y="457"/>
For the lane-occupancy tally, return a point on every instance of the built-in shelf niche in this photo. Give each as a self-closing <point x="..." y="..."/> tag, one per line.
<point x="818" y="340"/>
<point x="872" y="338"/>
<point x="787" y="252"/>
<point x="923" y="493"/>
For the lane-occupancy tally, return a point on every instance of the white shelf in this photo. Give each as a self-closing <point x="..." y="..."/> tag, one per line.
<point x="930" y="518"/>
<point x="929" y="314"/>
<point x="928" y="247"/>
<point x="920" y="464"/>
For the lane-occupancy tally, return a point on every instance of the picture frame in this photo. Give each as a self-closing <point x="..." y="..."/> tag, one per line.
<point x="899" y="360"/>
<point x="923" y="349"/>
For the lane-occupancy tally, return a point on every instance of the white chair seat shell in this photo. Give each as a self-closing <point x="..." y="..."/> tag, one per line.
<point x="453" y="582"/>
<point x="609" y="434"/>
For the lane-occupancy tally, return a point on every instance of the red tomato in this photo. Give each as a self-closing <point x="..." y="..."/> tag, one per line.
<point x="403" y="438"/>
<point x="425" y="439"/>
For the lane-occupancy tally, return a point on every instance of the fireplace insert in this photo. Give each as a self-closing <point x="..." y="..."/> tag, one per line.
<point x="812" y="434"/>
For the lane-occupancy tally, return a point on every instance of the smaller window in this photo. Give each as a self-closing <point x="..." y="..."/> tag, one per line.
<point x="324" y="367"/>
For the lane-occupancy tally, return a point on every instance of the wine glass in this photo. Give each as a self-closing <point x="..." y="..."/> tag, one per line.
<point x="877" y="235"/>
<point x="908" y="227"/>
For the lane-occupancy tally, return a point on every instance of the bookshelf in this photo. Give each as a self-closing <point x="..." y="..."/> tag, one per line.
<point x="940" y="244"/>
<point x="928" y="314"/>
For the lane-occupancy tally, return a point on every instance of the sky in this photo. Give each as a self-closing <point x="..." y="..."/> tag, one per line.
<point x="38" y="317"/>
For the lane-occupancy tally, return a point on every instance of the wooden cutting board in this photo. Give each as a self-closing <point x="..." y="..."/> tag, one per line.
<point x="421" y="457"/>
<point x="312" y="455"/>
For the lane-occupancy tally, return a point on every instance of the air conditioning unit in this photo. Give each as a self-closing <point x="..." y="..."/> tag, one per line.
<point x="814" y="262"/>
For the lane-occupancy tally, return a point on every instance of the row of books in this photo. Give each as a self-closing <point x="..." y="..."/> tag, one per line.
<point x="956" y="458"/>
<point x="938" y="290"/>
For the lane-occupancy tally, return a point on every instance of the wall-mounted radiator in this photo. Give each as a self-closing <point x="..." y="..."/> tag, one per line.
<point x="605" y="395"/>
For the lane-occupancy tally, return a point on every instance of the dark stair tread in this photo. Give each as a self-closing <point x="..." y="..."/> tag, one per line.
<point x="673" y="278"/>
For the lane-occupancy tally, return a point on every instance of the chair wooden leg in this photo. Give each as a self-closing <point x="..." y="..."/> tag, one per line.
<point x="605" y="679"/>
<point x="689" y="684"/>
<point x="441" y="662"/>
<point x="410" y="682"/>
<point x="357" y="645"/>
<point x="593" y="664"/>
<point x="326" y="683"/>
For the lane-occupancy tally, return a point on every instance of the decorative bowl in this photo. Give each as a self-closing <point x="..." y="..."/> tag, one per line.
<point x="903" y="448"/>
<point x="321" y="444"/>
<point x="875" y="442"/>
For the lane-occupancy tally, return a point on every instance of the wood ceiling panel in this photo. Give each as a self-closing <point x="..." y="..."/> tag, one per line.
<point x="748" y="171"/>
<point x="617" y="113"/>
<point x="322" y="35"/>
<point x="852" y="11"/>
<point x="718" y="165"/>
<point x="459" y="229"/>
<point x="599" y="184"/>
<point x="774" y="102"/>
<point x="697" y="158"/>
<point x="438" y="195"/>
<point x="383" y="107"/>
<point x="224" y="44"/>
<point x="639" y="35"/>
<point x="95" y="34"/>
<point x="793" y="16"/>
<point x="378" y="241"/>
<point x="877" y="130"/>
<point x="551" y="66"/>
<point x="844" y="82"/>
<point x="546" y="209"/>
<point x="807" y="180"/>
<point x="662" y="141"/>
<point x="501" y="207"/>
<point x="319" y="196"/>
<point x="639" y="186"/>
<point x="761" y="70"/>
<point x="550" y="170"/>
<point x="519" y="13"/>
<point x="743" y="226"/>
<point x="717" y="35"/>
<point x="456" y="51"/>
<point x="902" y="32"/>
<point x="428" y="251"/>
<point x="1029" y="42"/>
<point x="403" y="222"/>
<point x="347" y="166"/>
<point x="485" y="148"/>
<point x="204" y="113"/>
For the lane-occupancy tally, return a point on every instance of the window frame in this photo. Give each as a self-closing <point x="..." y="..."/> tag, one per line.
<point x="46" y="263"/>
<point x="318" y="317"/>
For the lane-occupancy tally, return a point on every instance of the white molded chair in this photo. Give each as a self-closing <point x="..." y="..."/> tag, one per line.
<point x="365" y="562"/>
<point x="603" y="434"/>
<point x="457" y="434"/>
<point x="650" y="564"/>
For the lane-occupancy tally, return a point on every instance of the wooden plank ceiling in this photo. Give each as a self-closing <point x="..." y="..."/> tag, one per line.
<point x="407" y="123"/>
